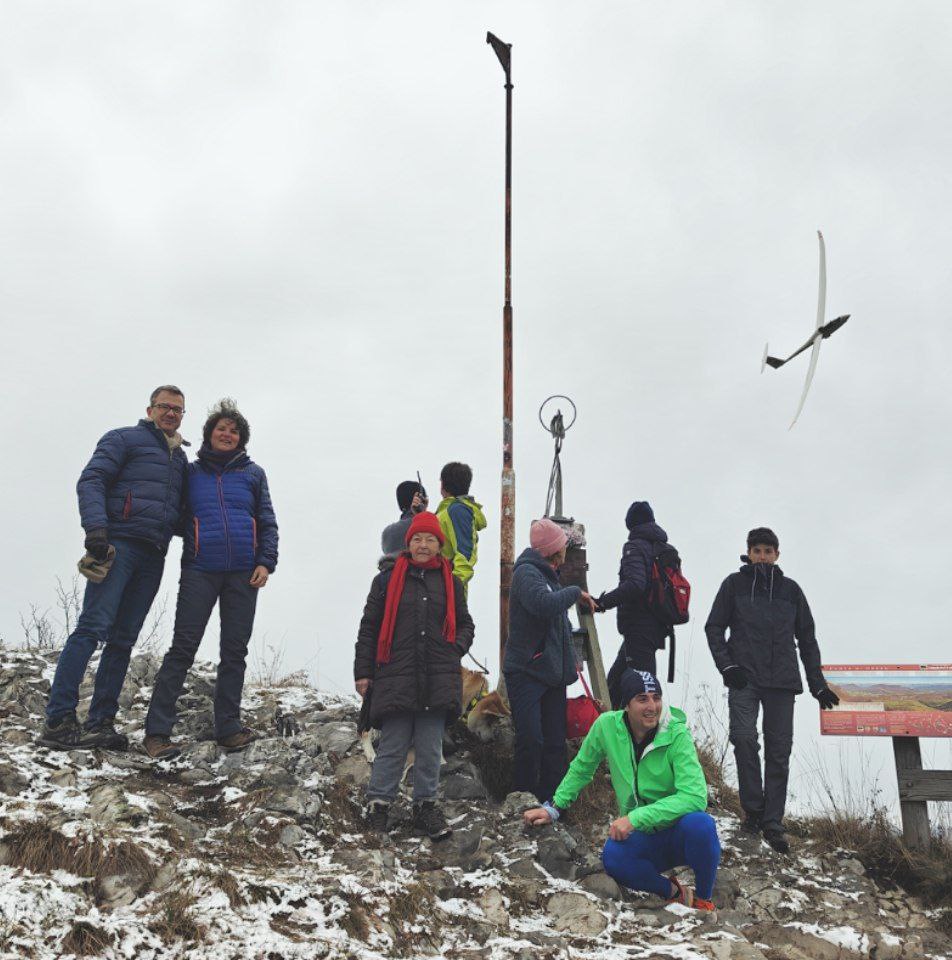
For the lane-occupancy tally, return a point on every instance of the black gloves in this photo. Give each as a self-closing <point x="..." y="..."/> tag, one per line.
<point x="826" y="698"/>
<point x="735" y="677"/>
<point x="97" y="544"/>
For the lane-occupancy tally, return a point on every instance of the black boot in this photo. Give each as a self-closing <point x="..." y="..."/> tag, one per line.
<point x="777" y="840"/>
<point x="751" y="824"/>
<point x="428" y="818"/>
<point x="64" y="733"/>
<point x="105" y="736"/>
<point x="378" y="816"/>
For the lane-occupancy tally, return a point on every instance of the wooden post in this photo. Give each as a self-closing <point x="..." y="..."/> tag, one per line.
<point x="915" y="813"/>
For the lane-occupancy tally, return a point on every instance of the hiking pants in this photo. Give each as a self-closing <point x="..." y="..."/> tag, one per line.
<point x="199" y="591"/>
<point x="762" y="796"/>
<point x="112" y="615"/>
<point x="637" y="862"/>
<point x="538" y="717"/>
<point x="636" y="655"/>
<point x="423" y="731"/>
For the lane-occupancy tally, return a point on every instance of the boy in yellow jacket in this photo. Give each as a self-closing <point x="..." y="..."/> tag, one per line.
<point x="461" y="518"/>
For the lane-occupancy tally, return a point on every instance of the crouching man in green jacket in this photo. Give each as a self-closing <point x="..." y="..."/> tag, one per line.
<point x="661" y="791"/>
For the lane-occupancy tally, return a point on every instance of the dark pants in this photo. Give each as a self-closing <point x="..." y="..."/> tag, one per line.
<point x="538" y="717"/>
<point x="198" y="593"/>
<point x="637" y="656"/>
<point x="764" y="797"/>
<point x="637" y="862"/>
<point x="112" y="615"/>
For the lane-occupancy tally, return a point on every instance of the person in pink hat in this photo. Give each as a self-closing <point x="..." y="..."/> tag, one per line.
<point x="540" y="661"/>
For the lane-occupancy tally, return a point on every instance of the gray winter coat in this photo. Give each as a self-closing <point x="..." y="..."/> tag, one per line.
<point x="393" y="540"/>
<point x="769" y="619"/>
<point x="423" y="672"/>
<point x="540" y="635"/>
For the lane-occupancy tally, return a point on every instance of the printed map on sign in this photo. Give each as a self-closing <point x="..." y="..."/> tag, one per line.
<point x="890" y="700"/>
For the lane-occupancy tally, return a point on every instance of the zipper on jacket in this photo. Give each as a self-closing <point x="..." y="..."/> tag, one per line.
<point x="254" y="535"/>
<point x="224" y="519"/>
<point x="127" y="507"/>
<point x="195" y="524"/>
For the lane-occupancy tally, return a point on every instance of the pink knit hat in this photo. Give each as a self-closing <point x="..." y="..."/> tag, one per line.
<point x="547" y="537"/>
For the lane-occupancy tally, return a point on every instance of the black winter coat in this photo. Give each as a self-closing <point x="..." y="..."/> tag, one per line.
<point x="769" y="618"/>
<point x="636" y="623"/>
<point x="424" y="670"/>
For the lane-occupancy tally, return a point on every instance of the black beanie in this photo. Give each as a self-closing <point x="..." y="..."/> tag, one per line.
<point x="405" y="492"/>
<point x="762" y="536"/>
<point x="634" y="682"/>
<point x="639" y="512"/>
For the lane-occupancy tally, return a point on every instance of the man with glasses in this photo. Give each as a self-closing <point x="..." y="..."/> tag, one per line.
<point x="130" y="498"/>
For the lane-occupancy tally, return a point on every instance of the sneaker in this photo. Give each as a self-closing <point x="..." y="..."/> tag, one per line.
<point x="686" y="895"/>
<point x="378" y="816"/>
<point x="777" y="840"/>
<point x="428" y="818"/>
<point x="160" y="748"/>
<point x="105" y="736"/>
<point x="63" y="733"/>
<point x="751" y="824"/>
<point x="237" y="741"/>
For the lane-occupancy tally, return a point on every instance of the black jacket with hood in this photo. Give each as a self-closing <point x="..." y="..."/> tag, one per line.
<point x="423" y="672"/>
<point x="769" y="619"/>
<point x="635" y="622"/>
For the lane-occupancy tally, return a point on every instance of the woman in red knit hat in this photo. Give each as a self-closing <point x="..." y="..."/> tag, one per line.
<point x="414" y="630"/>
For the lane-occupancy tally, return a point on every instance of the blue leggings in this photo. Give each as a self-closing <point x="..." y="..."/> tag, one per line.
<point x="637" y="862"/>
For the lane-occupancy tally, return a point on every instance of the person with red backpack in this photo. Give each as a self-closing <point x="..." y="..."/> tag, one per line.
<point x="651" y="597"/>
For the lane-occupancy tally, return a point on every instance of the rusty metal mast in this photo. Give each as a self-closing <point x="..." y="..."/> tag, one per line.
<point x="507" y="542"/>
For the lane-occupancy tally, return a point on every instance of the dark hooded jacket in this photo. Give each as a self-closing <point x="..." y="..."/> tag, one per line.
<point x="635" y="622"/>
<point x="540" y="635"/>
<point x="768" y="618"/>
<point x="424" y="670"/>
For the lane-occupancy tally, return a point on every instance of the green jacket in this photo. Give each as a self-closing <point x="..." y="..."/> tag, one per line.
<point x="461" y="519"/>
<point x="666" y="785"/>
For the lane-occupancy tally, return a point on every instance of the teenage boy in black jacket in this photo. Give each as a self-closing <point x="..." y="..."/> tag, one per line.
<point x="769" y="619"/>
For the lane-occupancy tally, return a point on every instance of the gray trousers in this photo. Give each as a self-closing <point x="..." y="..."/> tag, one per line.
<point x="424" y="732"/>
<point x="763" y="796"/>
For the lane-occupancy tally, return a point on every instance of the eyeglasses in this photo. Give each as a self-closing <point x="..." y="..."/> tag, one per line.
<point x="169" y="408"/>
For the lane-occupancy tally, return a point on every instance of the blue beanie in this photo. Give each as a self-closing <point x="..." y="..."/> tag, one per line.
<point x="634" y="682"/>
<point x="639" y="512"/>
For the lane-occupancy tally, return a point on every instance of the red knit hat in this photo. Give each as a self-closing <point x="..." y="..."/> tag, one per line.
<point x="426" y="522"/>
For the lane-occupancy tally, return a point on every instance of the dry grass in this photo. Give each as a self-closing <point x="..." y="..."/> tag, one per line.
<point x="596" y="804"/>
<point x="226" y="882"/>
<point x="240" y="847"/>
<point x="40" y="847"/>
<point x="342" y="807"/>
<point x="494" y="763"/>
<point x="354" y="922"/>
<point x="85" y="940"/>
<point x="174" y="918"/>
<point x="413" y="907"/>
<point x="720" y="789"/>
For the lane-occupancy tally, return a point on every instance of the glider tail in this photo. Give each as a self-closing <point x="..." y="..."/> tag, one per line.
<point x="772" y="361"/>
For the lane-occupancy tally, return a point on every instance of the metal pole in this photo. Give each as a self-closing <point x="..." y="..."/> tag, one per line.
<point x="507" y="551"/>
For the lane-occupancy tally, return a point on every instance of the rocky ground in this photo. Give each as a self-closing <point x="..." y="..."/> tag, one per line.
<point x="262" y="855"/>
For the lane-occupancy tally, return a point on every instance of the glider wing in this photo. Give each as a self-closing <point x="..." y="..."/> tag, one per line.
<point x="821" y="300"/>
<point x="812" y="369"/>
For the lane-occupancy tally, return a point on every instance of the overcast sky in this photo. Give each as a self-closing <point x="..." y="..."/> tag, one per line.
<point x="300" y="205"/>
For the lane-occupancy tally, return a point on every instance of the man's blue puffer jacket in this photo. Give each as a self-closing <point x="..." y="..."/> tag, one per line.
<point x="133" y="485"/>
<point x="229" y="522"/>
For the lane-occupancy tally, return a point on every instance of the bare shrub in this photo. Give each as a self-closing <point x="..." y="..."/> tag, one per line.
<point x="85" y="940"/>
<point x="40" y="634"/>
<point x="151" y="638"/>
<point x="174" y="918"/>
<point x="266" y="667"/>
<point x="709" y="727"/>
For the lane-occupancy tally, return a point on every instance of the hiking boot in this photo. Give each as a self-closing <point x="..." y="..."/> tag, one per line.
<point x="378" y="816"/>
<point x="158" y="747"/>
<point x="105" y="736"/>
<point x="751" y="824"/>
<point x="63" y="733"/>
<point x="777" y="840"/>
<point x="686" y="895"/>
<point x="237" y="741"/>
<point x="428" y="818"/>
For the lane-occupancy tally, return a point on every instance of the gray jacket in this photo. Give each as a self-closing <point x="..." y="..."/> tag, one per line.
<point x="393" y="539"/>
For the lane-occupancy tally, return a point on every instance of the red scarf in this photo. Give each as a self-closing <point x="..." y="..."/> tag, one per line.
<point x="395" y="591"/>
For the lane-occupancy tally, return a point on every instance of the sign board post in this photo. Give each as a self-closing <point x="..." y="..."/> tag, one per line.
<point x="904" y="702"/>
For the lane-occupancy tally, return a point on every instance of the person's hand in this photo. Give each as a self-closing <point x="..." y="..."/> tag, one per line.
<point x="97" y="544"/>
<point x="260" y="577"/>
<point x="827" y="699"/>
<point x="620" y="829"/>
<point x="587" y="600"/>
<point x="536" y="817"/>
<point x="418" y="504"/>
<point x="363" y="685"/>
<point x="735" y="677"/>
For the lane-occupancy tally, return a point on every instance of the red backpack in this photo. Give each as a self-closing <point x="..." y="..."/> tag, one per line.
<point x="669" y="593"/>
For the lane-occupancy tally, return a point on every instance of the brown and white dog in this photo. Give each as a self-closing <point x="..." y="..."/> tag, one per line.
<point x="481" y="709"/>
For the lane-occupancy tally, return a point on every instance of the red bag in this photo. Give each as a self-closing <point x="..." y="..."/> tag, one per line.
<point x="580" y="712"/>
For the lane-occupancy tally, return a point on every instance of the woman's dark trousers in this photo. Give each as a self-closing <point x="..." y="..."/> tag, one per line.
<point x="538" y="716"/>
<point x="199" y="591"/>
